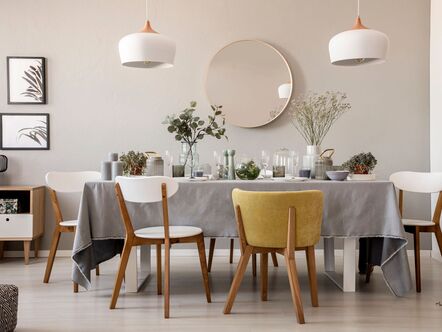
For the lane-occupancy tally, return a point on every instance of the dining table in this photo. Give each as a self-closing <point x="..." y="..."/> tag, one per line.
<point x="352" y="210"/>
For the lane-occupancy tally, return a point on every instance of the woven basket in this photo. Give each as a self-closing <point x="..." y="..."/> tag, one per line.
<point x="8" y="307"/>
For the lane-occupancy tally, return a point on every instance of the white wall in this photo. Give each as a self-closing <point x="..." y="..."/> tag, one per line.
<point x="436" y="98"/>
<point x="97" y="106"/>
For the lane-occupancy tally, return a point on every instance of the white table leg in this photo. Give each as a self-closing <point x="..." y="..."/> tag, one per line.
<point x="346" y="282"/>
<point x="349" y="265"/>
<point x="135" y="265"/>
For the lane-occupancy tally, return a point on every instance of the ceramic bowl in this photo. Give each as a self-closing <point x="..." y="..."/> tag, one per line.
<point x="337" y="175"/>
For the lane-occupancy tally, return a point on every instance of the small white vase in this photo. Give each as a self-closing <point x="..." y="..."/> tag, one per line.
<point x="308" y="160"/>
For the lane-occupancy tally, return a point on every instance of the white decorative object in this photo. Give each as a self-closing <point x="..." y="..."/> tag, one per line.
<point x="147" y="49"/>
<point x="362" y="177"/>
<point x="358" y="46"/>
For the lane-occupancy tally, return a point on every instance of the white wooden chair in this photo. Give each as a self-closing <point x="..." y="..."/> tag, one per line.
<point x="420" y="183"/>
<point x="65" y="182"/>
<point x="149" y="190"/>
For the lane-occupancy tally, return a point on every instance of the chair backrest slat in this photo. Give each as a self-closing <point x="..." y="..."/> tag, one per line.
<point x="70" y="182"/>
<point x="146" y="189"/>
<point x="418" y="182"/>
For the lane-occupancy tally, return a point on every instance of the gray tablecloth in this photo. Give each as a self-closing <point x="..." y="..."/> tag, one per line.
<point x="351" y="209"/>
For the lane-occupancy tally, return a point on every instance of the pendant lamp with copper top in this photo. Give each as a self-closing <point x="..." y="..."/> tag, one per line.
<point x="147" y="48"/>
<point x="358" y="46"/>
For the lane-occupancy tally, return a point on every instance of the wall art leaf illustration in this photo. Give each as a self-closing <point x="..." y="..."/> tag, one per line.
<point x="34" y="77"/>
<point x="38" y="134"/>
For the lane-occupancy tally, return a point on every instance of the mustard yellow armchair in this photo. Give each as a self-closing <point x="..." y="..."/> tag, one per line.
<point x="278" y="222"/>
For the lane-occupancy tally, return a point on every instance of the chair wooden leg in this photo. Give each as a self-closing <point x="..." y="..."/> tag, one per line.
<point x="294" y="286"/>
<point x="274" y="259"/>
<point x="264" y="265"/>
<point x="36" y="247"/>
<point x="239" y="274"/>
<point x="121" y="270"/>
<point x="166" y="279"/>
<point x="97" y="270"/>
<point x="311" y="265"/>
<point x="203" y="263"/>
<point x="2" y="247"/>
<point x="438" y="235"/>
<point x="75" y="287"/>
<point x="417" y="259"/>
<point x="232" y="246"/>
<point x="27" y="250"/>
<point x="159" y="270"/>
<point x="52" y="252"/>
<point x="211" y="251"/>
<point x="254" y="265"/>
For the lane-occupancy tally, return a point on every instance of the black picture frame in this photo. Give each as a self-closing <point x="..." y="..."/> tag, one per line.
<point x="3" y="144"/>
<point x="12" y="98"/>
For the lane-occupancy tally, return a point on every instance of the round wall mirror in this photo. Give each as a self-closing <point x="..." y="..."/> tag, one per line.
<point x="251" y="80"/>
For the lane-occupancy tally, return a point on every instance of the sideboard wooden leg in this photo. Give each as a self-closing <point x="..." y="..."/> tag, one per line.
<point x="27" y="249"/>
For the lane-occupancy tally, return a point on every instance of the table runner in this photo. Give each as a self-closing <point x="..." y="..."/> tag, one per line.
<point x="351" y="209"/>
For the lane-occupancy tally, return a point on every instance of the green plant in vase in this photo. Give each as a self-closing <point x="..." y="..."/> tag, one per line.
<point x="190" y="128"/>
<point x="134" y="163"/>
<point x="362" y="163"/>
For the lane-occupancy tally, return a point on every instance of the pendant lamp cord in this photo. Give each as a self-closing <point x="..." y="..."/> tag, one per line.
<point x="147" y="13"/>
<point x="358" y="7"/>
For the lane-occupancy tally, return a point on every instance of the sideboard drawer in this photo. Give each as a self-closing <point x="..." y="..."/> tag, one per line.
<point x="16" y="225"/>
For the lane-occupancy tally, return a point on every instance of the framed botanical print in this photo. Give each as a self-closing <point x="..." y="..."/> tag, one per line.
<point x="24" y="131"/>
<point x="26" y="80"/>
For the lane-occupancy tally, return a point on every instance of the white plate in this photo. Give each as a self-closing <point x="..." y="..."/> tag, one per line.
<point x="294" y="179"/>
<point x="203" y="178"/>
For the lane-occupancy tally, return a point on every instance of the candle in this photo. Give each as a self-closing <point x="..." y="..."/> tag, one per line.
<point x="106" y="172"/>
<point x="113" y="156"/>
<point x="117" y="169"/>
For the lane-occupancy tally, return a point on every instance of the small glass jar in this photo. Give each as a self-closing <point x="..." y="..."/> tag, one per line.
<point x="247" y="169"/>
<point x="280" y="158"/>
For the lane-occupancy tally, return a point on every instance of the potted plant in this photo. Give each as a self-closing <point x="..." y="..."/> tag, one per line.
<point x="361" y="165"/>
<point x="134" y="163"/>
<point x="189" y="129"/>
<point x="313" y="115"/>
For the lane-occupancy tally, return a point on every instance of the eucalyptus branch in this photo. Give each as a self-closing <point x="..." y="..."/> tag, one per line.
<point x="190" y="129"/>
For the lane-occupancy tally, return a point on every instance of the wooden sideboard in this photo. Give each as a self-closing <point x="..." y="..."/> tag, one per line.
<point x="28" y="224"/>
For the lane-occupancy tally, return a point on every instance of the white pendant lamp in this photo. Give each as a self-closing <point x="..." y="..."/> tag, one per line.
<point x="285" y="90"/>
<point x="147" y="49"/>
<point x="358" y="46"/>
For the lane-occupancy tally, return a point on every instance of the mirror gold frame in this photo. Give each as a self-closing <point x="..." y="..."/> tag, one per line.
<point x="284" y="68"/>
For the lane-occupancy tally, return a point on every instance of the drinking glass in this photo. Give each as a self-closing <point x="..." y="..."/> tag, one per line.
<point x="168" y="161"/>
<point x="218" y="170"/>
<point x="265" y="162"/>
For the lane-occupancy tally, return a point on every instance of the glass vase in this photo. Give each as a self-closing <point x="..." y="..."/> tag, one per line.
<point x="189" y="157"/>
<point x="310" y="158"/>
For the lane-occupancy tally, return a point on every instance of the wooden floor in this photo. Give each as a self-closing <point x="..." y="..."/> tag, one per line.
<point x="53" y="306"/>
